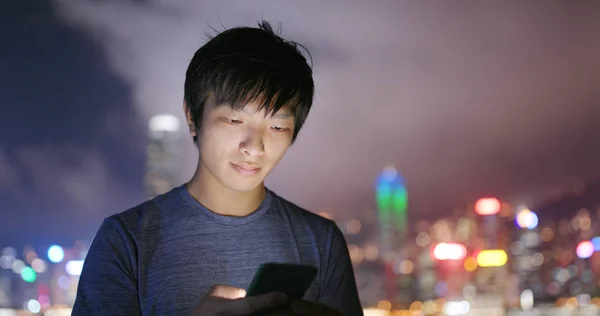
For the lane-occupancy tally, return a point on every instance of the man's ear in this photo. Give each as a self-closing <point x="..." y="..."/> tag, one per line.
<point x="190" y="120"/>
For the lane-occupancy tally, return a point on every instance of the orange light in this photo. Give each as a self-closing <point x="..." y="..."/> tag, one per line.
<point x="487" y="206"/>
<point x="384" y="304"/>
<point x="416" y="306"/>
<point x="470" y="264"/>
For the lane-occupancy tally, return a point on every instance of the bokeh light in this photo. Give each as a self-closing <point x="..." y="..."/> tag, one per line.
<point x="470" y="264"/>
<point x="487" y="206"/>
<point x="449" y="251"/>
<point x="423" y="239"/>
<point x="596" y="242"/>
<point x="38" y="265"/>
<point x="371" y="252"/>
<point x="56" y="254"/>
<point x="353" y="226"/>
<point x="385" y="305"/>
<point x="492" y="258"/>
<point x="74" y="267"/>
<point x="585" y="249"/>
<point x="526" y="299"/>
<point x="34" y="306"/>
<point x="17" y="266"/>
<point x="164" y="123"/>
<point x="527" y="219"/>
<point x="28" y="274"/>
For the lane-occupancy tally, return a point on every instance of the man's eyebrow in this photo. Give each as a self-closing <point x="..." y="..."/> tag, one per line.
<point x="279" y="115"/>
<point x="283" y="115"/>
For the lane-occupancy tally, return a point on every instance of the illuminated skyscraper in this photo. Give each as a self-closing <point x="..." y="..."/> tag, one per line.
<point x="161" y="158"/>
<point x="392" y="205"/>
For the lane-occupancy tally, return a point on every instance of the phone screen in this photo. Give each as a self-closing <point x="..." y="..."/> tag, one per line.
<point x="291" y="279"/>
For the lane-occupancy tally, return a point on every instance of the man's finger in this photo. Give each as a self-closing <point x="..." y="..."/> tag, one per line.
<point x="227" y="291"/>
<point x="253" y="304"/>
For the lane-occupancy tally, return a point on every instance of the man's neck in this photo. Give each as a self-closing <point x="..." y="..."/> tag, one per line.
<point x="221" y="200"/>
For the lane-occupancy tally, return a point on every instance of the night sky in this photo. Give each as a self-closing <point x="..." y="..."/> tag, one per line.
<point x="464" y="98"/>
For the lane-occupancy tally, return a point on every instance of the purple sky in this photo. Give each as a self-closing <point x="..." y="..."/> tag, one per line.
<point x="465" y="98"/>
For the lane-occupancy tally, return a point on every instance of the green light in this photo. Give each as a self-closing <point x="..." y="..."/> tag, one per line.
<point x="400" y="202"/>
<point x="384" y="197"/>
<point x="28" y="274"/>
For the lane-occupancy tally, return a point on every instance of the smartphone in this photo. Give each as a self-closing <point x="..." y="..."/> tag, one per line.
<point x="291" y="279"/>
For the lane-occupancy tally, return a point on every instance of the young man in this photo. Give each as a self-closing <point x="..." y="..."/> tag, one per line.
<point x="193" y="250"/>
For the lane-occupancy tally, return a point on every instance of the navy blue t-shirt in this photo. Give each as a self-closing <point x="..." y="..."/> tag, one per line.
<point x="161" y="257"/>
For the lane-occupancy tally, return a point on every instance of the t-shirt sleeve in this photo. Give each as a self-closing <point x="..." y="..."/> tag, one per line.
<point x="339" y="288"/>
<point x="107" y="284"/>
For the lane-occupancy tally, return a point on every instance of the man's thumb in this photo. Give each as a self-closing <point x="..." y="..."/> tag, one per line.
<point x="227" y="291"/>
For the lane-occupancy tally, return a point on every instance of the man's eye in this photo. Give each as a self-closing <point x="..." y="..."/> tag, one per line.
<point x="279" y="128"/>
<point x="234" y="122"/>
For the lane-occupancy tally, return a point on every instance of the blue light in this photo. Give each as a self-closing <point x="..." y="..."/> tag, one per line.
<point x="533" y="221"/>
<point x="383" y="181"/>
<point x="596" y="243"/>
<point x="56" y="254"/>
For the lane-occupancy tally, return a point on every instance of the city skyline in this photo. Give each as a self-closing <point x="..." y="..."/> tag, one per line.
<point x="470" y="101"/>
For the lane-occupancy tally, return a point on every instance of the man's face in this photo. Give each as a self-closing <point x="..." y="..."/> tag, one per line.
<point x="240" y="148"/>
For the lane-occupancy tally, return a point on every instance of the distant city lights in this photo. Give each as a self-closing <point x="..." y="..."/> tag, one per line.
<point x="492" y="258"/>
<point x="28" y="274"/>
<point x="353" y="226"/>
<point x="487" y="206"/>
<point x="9" y="252"/>
<point x="17" y="266"/>
<point x="585" y="249"/>
<point x="526" y="219"/>
<point x="34" y="306"/>
<point x="456" y="308"/>
<point x="439" y="266"/>
<point x="38" y="265"/>
<point x="74" y="267"/>
<point x="8" y="256"/>
<point x="526" y="299"/>
<point x="449" y="251"/>
<point x="56" y="254"/>
<point x="596" y="243"/>
<point x="164" y="123"/>
<point x="470" y="264"/>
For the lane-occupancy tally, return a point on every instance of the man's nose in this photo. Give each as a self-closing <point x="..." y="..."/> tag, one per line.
<point x="253" y="144"/>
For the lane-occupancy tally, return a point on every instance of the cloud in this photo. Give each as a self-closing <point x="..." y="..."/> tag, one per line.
<point x="466" y="99"/>
<point x="59" y="189"/>
<point x="8" y="172"/>
<point x="72" y="176"/>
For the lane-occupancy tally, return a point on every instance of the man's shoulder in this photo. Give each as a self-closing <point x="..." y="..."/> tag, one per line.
<point x="293" y="208"/>
<point x="142" y="216"/>
<point x="302" y="216"/>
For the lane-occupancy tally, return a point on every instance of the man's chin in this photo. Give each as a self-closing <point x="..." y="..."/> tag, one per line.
<point x="245" y="187"/>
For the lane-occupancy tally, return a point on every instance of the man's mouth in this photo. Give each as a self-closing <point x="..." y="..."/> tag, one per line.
<point x="246" y="170"/>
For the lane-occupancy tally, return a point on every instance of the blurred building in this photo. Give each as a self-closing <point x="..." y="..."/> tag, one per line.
<point x="161" y="155"/>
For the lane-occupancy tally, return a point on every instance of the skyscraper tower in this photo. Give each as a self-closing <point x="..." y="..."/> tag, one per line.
<point x="392" y="204"/>
<point x="161" y="158"/>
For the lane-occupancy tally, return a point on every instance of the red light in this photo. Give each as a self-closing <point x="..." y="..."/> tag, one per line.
<point x="487" y="206"/>
<point x="449" y="251"/>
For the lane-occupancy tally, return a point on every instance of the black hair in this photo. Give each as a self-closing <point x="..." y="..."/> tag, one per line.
<point x="246" y="64"/>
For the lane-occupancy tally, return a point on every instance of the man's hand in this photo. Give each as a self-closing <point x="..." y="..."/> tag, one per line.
<point x="306" y="308"/>
<point x="232" y="301"/>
